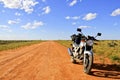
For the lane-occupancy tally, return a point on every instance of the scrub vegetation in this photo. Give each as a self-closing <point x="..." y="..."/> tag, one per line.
<point x="13" y="44"/>
<point x="104" y="49"/>
<point x="108" y="49"/>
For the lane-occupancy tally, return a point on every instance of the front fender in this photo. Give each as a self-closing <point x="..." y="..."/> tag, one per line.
<point x="88" y="52"/>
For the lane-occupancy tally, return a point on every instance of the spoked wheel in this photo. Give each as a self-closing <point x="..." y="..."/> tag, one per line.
<point x="88" y="63"/>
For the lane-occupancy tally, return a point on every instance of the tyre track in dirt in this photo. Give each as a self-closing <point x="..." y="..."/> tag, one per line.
<point x="4" y="60"/>
<point x="30" y="65"/>
<point x="9" y="64"/>
<point x="44" y="61"/>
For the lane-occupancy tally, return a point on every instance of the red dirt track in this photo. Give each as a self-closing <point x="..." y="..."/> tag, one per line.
<point x="48" y="61"/>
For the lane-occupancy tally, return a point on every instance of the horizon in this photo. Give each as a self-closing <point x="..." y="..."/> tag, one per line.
<point x="58" y="20"/>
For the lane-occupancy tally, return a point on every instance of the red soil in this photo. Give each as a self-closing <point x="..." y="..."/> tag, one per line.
<point x="49" y="61"/>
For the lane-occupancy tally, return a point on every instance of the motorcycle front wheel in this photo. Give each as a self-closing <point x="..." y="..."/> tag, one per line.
<point x="88" y="62"/>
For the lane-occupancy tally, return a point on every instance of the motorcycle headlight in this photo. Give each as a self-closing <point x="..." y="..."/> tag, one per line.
<point x="89" y="43"/>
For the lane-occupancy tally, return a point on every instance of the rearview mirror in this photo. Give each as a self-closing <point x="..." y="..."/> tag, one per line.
<point x="98" y="34"/>
<point x="78" y="29"/>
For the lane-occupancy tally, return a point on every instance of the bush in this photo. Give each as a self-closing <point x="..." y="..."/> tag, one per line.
<point x="115" y="58"/>
<point x="112" y="44"/>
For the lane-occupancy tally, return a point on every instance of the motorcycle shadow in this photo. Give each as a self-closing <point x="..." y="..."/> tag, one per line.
<point x="106" y="70"/>
<point x="78" y="63"/>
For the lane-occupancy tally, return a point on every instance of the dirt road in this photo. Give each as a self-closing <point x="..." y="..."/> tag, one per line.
<point x="48" y="61"/>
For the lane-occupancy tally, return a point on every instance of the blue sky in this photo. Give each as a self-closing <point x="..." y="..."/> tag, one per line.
<point x="58" y="19"/>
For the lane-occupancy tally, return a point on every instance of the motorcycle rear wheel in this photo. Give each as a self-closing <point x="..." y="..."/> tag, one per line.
<point x="73" y="60"/>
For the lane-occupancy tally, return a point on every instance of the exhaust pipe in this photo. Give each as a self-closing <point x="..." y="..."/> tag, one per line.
<point x="70" y="52"/>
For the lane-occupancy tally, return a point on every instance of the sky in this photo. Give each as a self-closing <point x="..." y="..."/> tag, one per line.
<point x="58" y="19"/>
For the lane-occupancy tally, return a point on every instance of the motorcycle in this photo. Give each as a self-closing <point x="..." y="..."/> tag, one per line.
<point x="81" y="50"/>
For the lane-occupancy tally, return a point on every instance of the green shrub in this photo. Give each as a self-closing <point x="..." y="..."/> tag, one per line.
<point x="115" y="58"/>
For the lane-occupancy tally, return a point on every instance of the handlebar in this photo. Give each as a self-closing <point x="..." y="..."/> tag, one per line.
<point x="82" y="36"/>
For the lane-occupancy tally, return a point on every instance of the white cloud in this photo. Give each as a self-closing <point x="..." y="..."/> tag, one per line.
<point x="67" y="17"/>
<point x="26" y="5"/>
<point x="83" y="27"/>
<point x="90" y="16"/>
<point x="14" y="21"/>
<point x="73" y="3"/>
<point x="46" y="10"/>
<point x="116" y="12"/>
<point x="17" y="14"/>
<point x="74" y="17"/>
<point x="74" y="23"/>
<point x="33" y="25"/>
<point x="5" y="28"/>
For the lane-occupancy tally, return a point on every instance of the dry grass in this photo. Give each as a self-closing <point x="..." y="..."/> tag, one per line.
<point x="104" y="49"/>
<point x="108" y="49"/>
<point x="66" y="43"/>
<point x="12" y="44"/>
